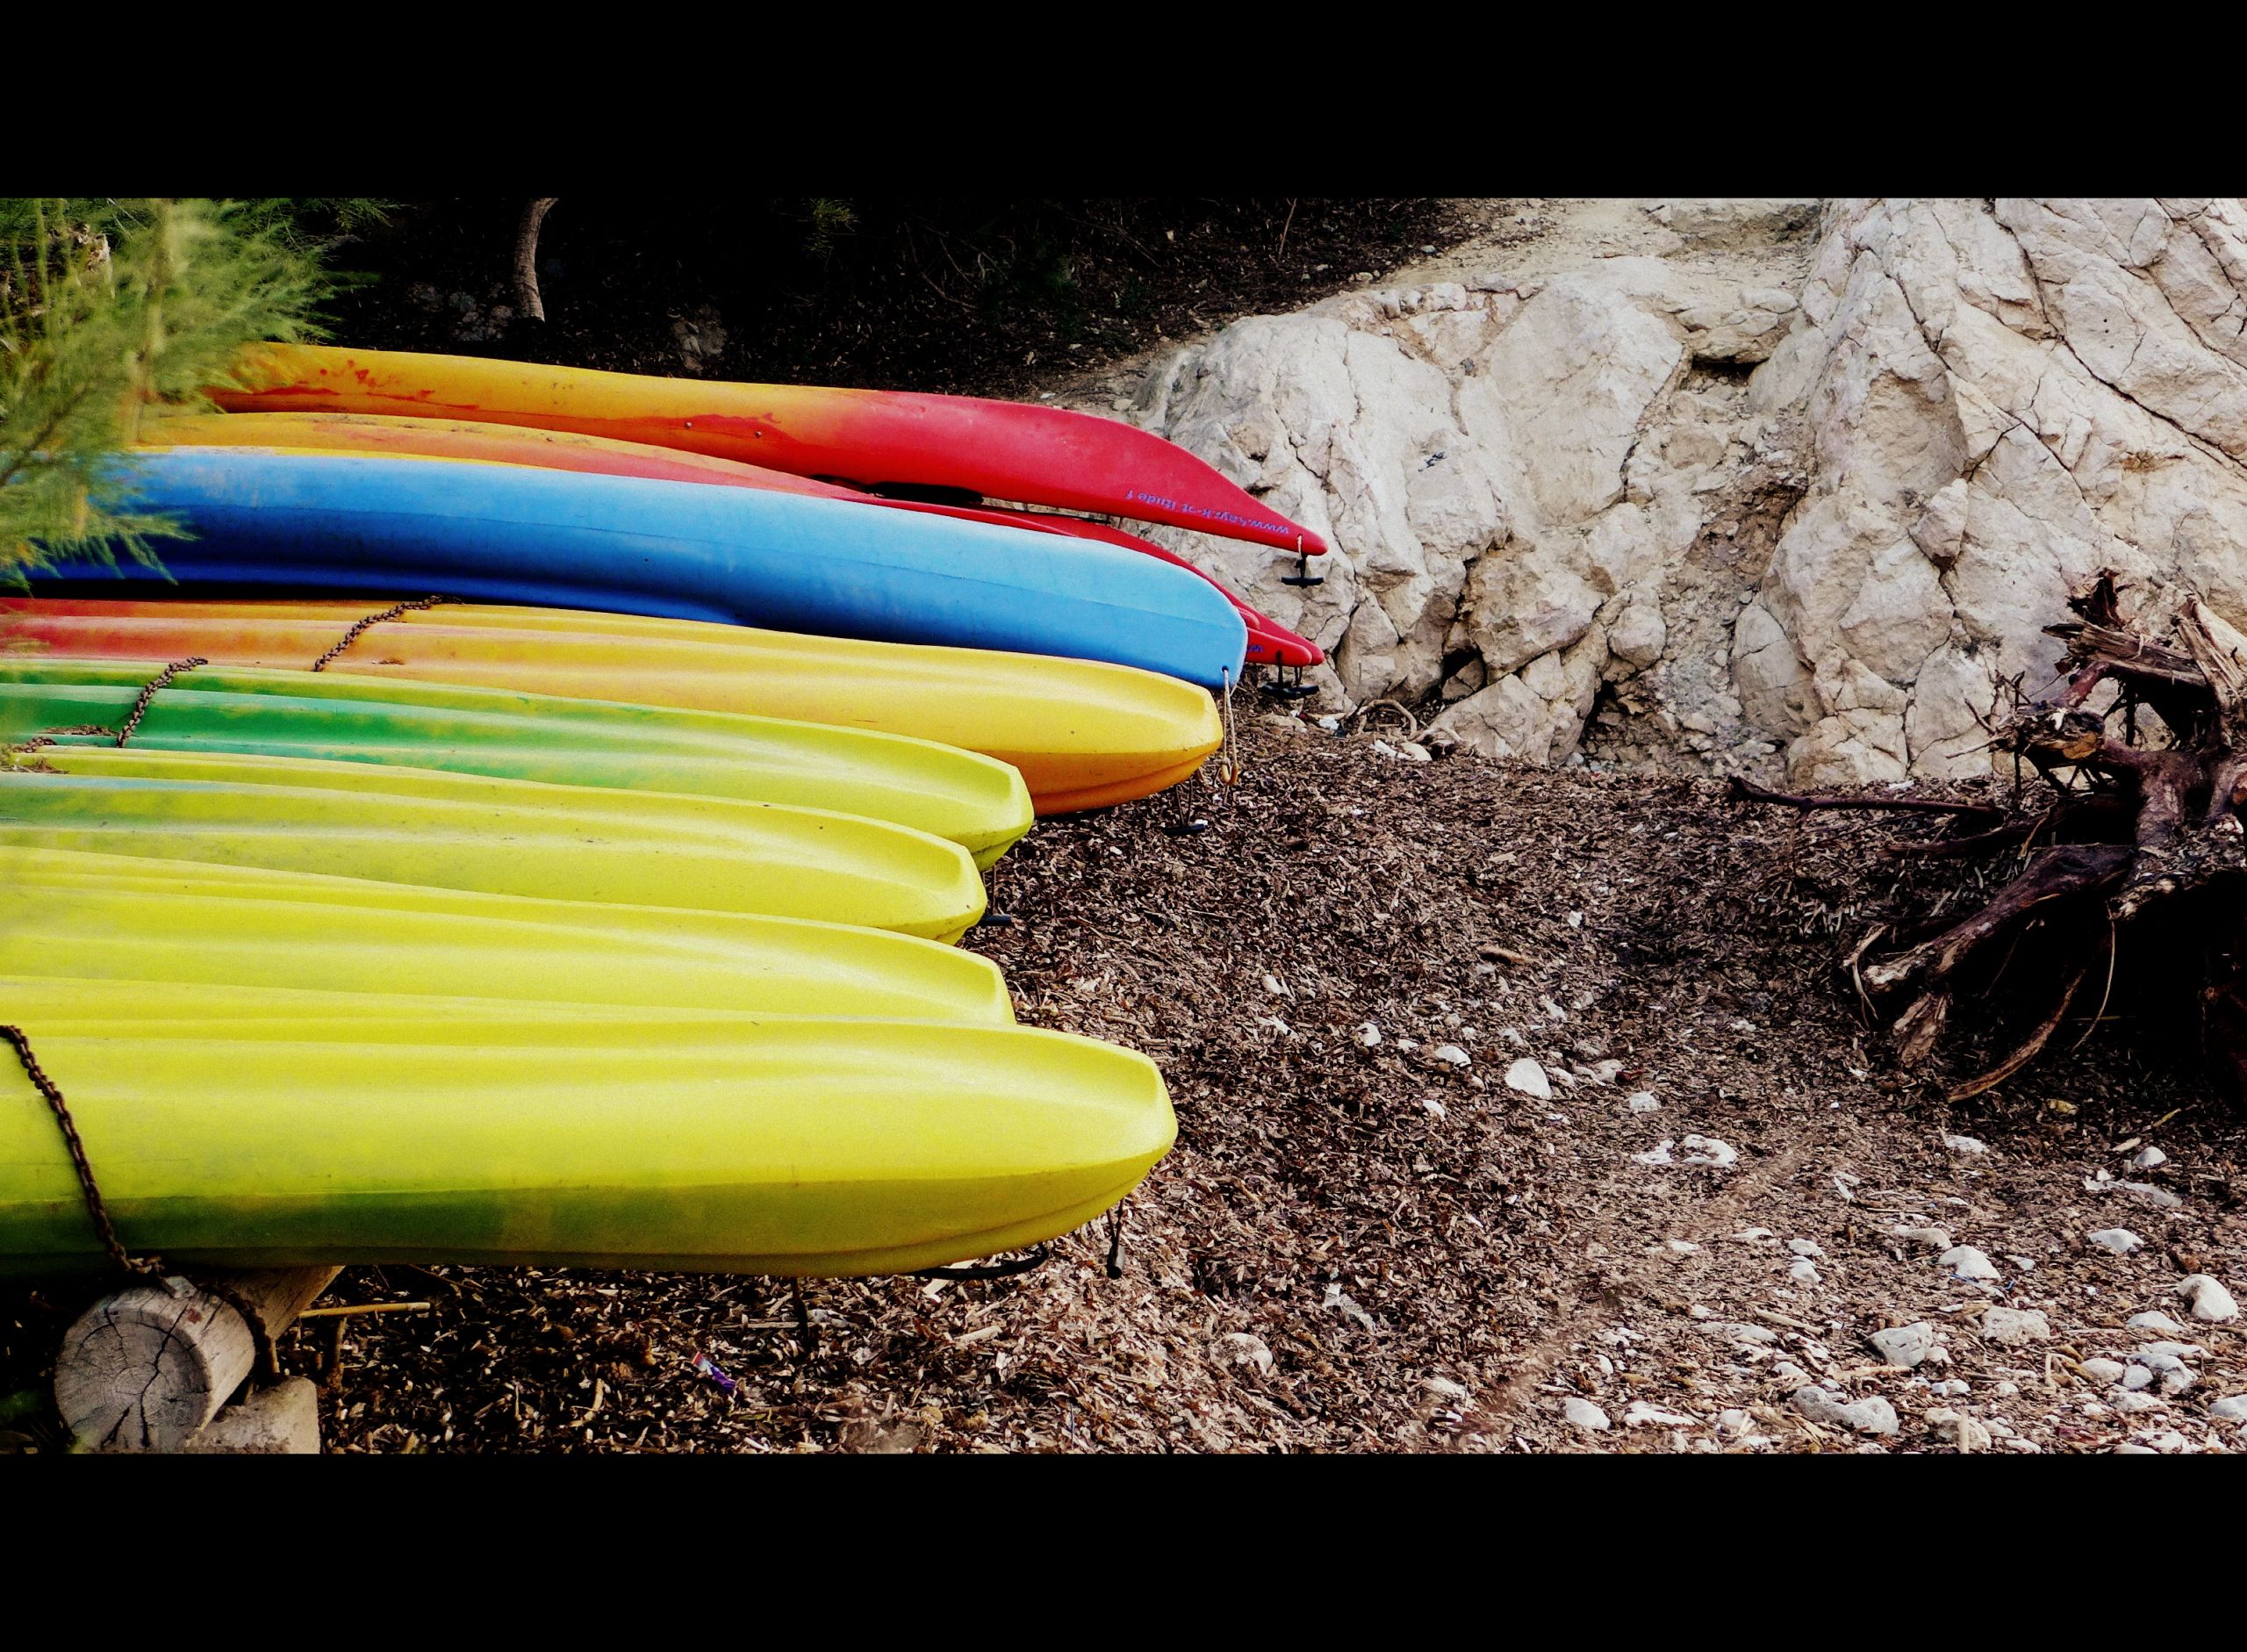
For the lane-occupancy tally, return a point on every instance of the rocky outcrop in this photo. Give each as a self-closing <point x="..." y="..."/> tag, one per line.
<point x="1792" y="486"/>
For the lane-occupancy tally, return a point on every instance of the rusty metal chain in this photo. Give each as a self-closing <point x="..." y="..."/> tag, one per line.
<point x="266" y="1363"/>
<point x="86" y="1184"/>
<point x="370" y="622"/>
<point x="162" y="680"/>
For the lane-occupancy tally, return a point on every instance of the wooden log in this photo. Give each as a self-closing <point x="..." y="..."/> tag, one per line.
<point x="146" y="1367"/>
<point x="283" y="1420"/>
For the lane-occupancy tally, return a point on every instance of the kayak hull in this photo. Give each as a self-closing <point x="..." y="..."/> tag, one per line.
<point x="269" y="521"/>
<point x="976" y="803"/>
<point x="1083" y="735"/>
<point x="1269" y="643"/>
<point x="1006" y="450"/>
<point x="421" y="826"/>
<point x="131" y="918"/>
<point x="767" y="1145"/>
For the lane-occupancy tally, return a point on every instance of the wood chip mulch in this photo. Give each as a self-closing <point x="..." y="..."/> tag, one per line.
<point x="1354" y="1245"/>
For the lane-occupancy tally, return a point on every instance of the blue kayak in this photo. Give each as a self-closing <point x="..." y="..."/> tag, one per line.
<point x="300" y="523"/>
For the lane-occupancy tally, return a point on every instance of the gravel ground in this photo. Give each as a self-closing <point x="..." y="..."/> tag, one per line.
<point x="1377" y="1233"/>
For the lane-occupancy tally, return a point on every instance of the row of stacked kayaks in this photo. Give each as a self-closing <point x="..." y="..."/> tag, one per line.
<point x="531" y="817"/>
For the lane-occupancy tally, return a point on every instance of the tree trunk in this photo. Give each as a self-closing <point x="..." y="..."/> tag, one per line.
<point x="527" y="256"/>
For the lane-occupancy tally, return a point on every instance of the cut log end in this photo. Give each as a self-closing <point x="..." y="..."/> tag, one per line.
<point x="148" y="1367"/>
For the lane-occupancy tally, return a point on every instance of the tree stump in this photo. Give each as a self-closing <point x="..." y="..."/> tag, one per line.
<point x="2143" y="814"/>
<point x="146" y="1367"/>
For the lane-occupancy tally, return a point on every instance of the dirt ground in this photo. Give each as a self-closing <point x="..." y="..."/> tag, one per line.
<point x="1367" y="1247"/>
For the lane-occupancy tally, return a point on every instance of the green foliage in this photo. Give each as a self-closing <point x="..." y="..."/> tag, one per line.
<point x="823" y="222"/>
<point x="108" y="305"/>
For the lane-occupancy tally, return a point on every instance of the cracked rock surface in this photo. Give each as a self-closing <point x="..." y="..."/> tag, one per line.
<point x="1771" y="487"/>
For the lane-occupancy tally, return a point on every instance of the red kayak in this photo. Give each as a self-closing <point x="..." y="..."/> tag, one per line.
<point x="1269" y="643"/>
<point x="874" y="438"/>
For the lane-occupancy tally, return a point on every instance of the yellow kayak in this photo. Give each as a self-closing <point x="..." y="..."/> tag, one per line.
<point x="409" y="1130"/>
<point x="1085" y="735"/>
<point x="127" y="919"/>
<point x="464" y="831"/>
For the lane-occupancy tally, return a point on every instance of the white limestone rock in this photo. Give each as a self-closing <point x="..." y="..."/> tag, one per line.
<point x="1961" y="408"/>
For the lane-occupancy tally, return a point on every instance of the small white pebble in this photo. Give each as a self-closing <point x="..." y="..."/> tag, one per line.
<point x="1965" y="1261"/>
<point x="2210" y="1302"/>
<point x="1527" y="1077"/>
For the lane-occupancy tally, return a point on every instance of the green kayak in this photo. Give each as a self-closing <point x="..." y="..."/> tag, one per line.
<point x="976" y="802"/>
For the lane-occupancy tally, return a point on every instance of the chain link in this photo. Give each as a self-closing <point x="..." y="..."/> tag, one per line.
<point x="162" y="680"/>
<point x="78" y="1159"/>
<point x="370" y="622"/>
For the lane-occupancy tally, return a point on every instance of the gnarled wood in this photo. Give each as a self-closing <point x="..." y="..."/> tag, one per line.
<point x="2136" y="824"/>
